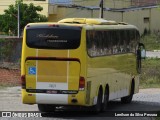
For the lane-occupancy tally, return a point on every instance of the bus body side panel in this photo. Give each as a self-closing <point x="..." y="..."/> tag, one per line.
<point x="116" y="71"/>
<point x="111" y="60"/>
<point x="26" y="98"/>
<point x="132" y="64"/>
<point x="79" y="53"/>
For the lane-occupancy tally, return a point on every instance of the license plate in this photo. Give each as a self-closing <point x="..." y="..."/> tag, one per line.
<point x="51" y="92"/>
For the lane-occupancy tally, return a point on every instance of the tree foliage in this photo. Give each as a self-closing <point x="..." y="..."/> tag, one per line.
<point x="28" y="13"/>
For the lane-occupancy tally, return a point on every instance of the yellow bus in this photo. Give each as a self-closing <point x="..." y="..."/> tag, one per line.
<point x="79" y="62"/>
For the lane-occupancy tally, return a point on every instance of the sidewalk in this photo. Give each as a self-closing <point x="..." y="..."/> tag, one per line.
<point x="153" y="54"/>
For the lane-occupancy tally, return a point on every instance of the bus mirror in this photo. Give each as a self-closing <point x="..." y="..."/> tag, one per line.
<point x="143" y="54"/>
<point x="143" y="50"/>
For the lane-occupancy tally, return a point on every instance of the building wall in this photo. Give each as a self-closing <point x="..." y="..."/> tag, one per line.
<point x="116" y="16"/>
<point x="107" y="3"/>
<point x="4" y="4"/>
<point x="144" y="2"/>
<point x="137" y="17"/>
<point x="143" y="19"/>
<point x="63" y="12"/>
<point x="155" y="25"/>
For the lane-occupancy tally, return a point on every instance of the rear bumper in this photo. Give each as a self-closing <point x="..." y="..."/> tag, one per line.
<point x="56" y="99"/>
<point x="52" y="98"/>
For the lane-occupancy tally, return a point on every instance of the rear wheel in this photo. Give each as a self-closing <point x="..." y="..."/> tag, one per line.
<point x="46" y="108"/>
<point x="128" y="99"/>
<point x="106" y="98"/>
<point x="97" y="108"/>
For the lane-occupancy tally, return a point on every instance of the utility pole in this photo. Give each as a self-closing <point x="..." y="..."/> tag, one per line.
<point x="101" y="8"/>
<point x="18" y="21"/>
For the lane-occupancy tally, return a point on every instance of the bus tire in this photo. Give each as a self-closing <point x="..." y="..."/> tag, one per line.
<point x="98" y="107"/>
<point x="106" y="99"/>
<point x="46" y="108"/>
<point x="128" y="99"/>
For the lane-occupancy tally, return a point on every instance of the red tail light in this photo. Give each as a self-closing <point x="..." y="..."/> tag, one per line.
<point x="81" y="83"/>
<point x="23" y="81"/>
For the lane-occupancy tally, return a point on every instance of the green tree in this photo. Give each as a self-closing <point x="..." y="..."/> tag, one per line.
<point x="28" y="13"/>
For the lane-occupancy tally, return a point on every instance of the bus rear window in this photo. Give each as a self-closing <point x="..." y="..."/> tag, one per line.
<point x="53" y="38"/>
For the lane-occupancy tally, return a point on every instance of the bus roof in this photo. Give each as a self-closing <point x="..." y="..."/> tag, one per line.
<point x="97" y="23"/>
<point x="88" y="23"/>
<point x="93" y="21"/>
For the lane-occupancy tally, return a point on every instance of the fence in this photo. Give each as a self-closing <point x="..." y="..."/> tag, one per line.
<point x="10" y="54"/>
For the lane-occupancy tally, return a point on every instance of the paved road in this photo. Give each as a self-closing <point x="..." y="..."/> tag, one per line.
<point x="153" y="54"/>
<point x="145" y="100"/>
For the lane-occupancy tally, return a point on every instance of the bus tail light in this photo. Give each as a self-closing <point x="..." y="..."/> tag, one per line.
<point x="81" y="83"/>
<point x="23" y="81"/>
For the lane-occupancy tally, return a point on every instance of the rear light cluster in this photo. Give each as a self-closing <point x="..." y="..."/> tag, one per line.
<point x="23" y="81"/>
<point x="81" y="83"/>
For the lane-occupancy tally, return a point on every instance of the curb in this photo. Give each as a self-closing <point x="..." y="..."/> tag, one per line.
<point x="156" y="50"/>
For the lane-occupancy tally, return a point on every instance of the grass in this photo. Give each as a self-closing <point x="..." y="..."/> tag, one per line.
<point x="151" y="41"/>
<point x="150" y="76"/>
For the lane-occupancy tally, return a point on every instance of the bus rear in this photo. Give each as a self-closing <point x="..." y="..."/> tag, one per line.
<point x="51" y="69"/>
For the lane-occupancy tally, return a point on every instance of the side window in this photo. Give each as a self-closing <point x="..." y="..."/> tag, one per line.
<point x="134" y="38"/>
<point x="116" y="42"/>
<point x="132" y="41"/>
<point x="99" y="43"/>
<point x="108" y="42"/>
<point x="123" y="40"/>
<point x="120" y="42"/>
<point x="91" y="43"/>
<point x="127" y="41"/>
<point x="137" y="35"/>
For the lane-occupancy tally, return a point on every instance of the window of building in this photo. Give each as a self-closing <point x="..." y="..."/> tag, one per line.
<point x="146" y="19"/>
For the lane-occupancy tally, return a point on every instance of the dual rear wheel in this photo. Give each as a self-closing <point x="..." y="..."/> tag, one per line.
<point x="102" y="101"/>
<point x="103" y="106"/>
